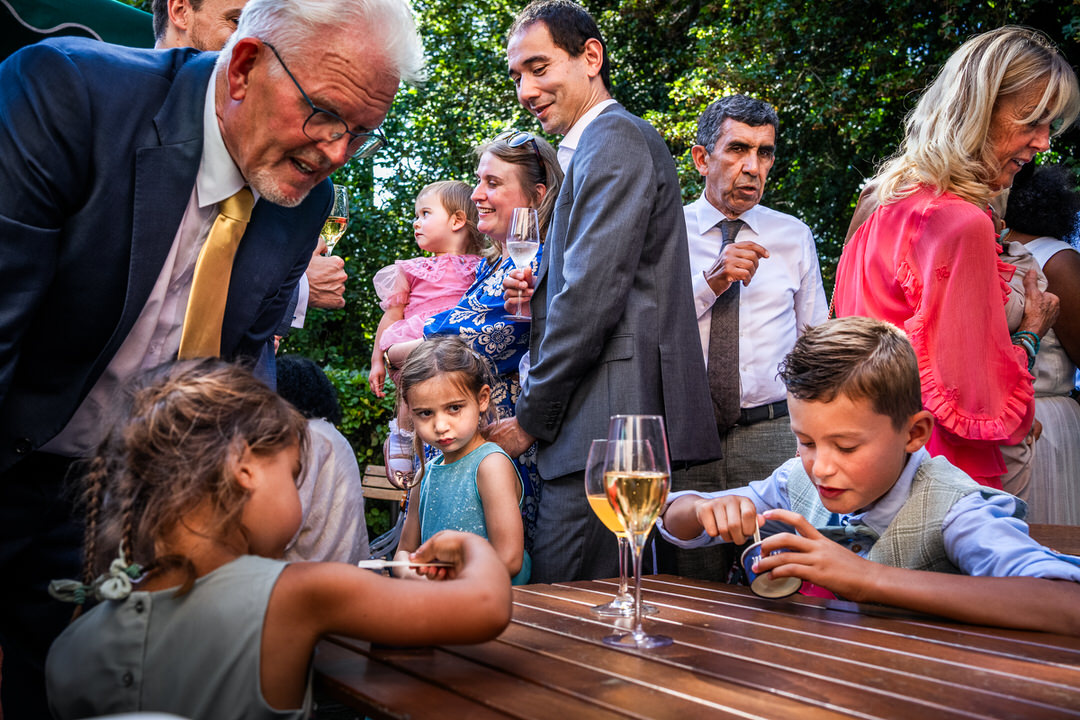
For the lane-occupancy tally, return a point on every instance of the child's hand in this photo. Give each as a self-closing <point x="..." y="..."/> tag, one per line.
<point x="444" y="546"/>
<point x="377" y="376"/>
<point x="732" y="518"/>
<point x="815" y="558"/>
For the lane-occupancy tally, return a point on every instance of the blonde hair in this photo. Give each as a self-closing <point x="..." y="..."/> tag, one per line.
<point x="530" y="173"/>
<point x="860" y="358"/>
<point x="176" y="444"/>
<point x="947" y="142"/>
<point x="456" y="197"/>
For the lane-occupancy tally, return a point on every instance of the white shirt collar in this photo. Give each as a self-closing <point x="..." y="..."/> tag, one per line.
<point x="218" y="177"/>
<point x="570" y="140"/>
<point x="708" y="215"/>
<point x="881" y="514"/>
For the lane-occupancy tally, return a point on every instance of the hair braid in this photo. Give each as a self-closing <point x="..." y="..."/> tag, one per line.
<point x="95" y="484"/>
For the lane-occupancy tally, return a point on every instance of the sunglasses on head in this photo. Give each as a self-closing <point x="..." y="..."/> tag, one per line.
<point x="517" y="138"/>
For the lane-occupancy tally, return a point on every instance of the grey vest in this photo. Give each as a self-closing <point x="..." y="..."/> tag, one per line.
<point x="914" y="539"/>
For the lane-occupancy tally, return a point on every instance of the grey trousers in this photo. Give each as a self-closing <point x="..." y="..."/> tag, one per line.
<point x="751" y="452"/>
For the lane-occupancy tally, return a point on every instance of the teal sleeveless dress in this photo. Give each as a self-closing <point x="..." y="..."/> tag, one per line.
<point x="450" y="500"/>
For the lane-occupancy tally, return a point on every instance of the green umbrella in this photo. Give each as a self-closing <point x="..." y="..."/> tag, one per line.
<point x="26" y="21"/>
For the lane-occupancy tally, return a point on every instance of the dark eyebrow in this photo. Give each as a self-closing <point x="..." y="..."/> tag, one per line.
<point x="530" y="61"/>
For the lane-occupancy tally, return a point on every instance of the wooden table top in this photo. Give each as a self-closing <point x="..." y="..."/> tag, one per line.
<point x="735" y="655"/>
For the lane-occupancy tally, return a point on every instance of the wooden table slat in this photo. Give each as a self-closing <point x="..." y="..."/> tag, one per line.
<point x="735" y="656"/>
<point x="802" y="667"/>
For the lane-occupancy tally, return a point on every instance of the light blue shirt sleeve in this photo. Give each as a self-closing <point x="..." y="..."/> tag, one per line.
<point x="767" y="494"/>
<point x="983" y="538"/>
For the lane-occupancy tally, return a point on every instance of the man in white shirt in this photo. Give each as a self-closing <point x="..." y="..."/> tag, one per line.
<point x="115" y="163"/>
<point x="207" y="25"/>
<point x="771" y="265"/>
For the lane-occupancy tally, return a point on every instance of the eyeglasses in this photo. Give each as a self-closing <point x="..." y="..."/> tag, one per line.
<point x="325" y="126"/>
<point x="517" y="138"/>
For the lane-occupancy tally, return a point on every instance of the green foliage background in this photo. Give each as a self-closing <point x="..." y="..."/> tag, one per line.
<point x="842" y="75"/>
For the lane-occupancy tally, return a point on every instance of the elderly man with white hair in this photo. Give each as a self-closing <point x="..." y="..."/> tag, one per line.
<point x="156" y="204"/>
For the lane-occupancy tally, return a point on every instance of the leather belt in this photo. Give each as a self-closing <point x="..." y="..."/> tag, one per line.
<point x="750" y="416"/>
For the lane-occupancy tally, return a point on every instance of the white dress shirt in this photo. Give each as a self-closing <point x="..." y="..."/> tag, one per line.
<point x="570" y="140"/>
<point x="155" y="337"/>
<point x="784" y="296"/>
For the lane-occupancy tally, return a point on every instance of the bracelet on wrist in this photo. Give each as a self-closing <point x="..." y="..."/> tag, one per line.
<point x="1030" y="342"/>
<point x="1031" y="337"/>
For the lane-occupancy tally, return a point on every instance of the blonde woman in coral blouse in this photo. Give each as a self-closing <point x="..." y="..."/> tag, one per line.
<point x="926" y="259"/>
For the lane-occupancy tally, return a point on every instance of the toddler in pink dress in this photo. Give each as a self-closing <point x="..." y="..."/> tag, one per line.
<point x="413" y="290"/>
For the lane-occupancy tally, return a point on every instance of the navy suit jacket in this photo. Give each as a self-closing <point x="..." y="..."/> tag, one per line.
<point x="99" y="149"/>
<point x="614" y="329"/>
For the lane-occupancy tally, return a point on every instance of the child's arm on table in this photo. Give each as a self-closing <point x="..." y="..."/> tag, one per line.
<point x="377" y="376"/>
<point x="500" y="492"/>
<point x="314" y="599"/>
<point x="1022" y="603"/>
<point x="732" y="518"/>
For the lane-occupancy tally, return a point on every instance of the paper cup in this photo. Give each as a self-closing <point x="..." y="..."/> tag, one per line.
<point x="765" y="584"/>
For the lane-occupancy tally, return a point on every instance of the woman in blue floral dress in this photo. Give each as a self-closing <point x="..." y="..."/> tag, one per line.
<point x="516" y="169"/>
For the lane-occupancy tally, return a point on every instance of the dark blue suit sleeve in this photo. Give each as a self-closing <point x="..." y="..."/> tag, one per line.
<point x="43" y="170"/>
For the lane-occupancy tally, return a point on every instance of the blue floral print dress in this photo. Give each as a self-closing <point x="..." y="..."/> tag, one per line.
<point x="481" y="321"/>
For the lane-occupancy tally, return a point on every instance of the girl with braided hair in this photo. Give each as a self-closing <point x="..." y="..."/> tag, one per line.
<point x="189" y="501"/>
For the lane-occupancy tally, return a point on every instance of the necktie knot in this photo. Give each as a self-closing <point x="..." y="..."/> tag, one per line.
<point x="730" y="228"/>
<point x="238" y="206"/>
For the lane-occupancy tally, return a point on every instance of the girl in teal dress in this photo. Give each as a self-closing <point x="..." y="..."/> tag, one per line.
<point x="515" y="169"/>
<point x="474" y="487"/>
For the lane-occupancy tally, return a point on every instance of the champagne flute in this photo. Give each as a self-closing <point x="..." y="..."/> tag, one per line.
<point x="623" y="604"/>
<point x="637" y="475"/>
<point x="335" y="224"/>
<point x="523" y="242"/>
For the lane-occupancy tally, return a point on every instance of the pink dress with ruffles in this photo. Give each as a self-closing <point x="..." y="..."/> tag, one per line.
<point x="425" y="286"/>
<point x="929" y="265"/>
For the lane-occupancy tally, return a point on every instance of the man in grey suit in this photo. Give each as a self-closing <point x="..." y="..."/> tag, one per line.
<point x="613" y="325"/>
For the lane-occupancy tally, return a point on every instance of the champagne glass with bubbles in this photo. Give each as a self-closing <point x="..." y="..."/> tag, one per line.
<point x="637" y="475"/>
<point x="335" y="224"/>
<point x="623" y="604"/>
<point x="523" y="242"/>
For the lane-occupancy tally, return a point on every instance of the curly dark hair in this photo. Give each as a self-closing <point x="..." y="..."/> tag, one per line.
<point x="1044" y="202"/>
<point x="177" y="438"/>
<point x="303" y="383"/>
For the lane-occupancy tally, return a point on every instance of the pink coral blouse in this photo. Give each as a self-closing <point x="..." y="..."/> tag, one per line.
<point x="929" y="265"/>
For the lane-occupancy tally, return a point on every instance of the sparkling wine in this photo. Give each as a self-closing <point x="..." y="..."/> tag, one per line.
<point x="332" y="230"/>
<point x="637" y="497"/>
<point x="521" y="252"/>
<point x="606" y="513"/>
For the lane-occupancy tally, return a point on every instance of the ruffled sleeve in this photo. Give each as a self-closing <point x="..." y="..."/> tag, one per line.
<point x="392" y="286"/>
<point x="974" y="380"/>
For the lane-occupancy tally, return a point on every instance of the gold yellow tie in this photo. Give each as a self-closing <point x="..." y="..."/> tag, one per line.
<point x="205" y="313"/>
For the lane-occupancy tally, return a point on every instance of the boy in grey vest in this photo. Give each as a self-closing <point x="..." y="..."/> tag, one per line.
<point x="877" y="519"/>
